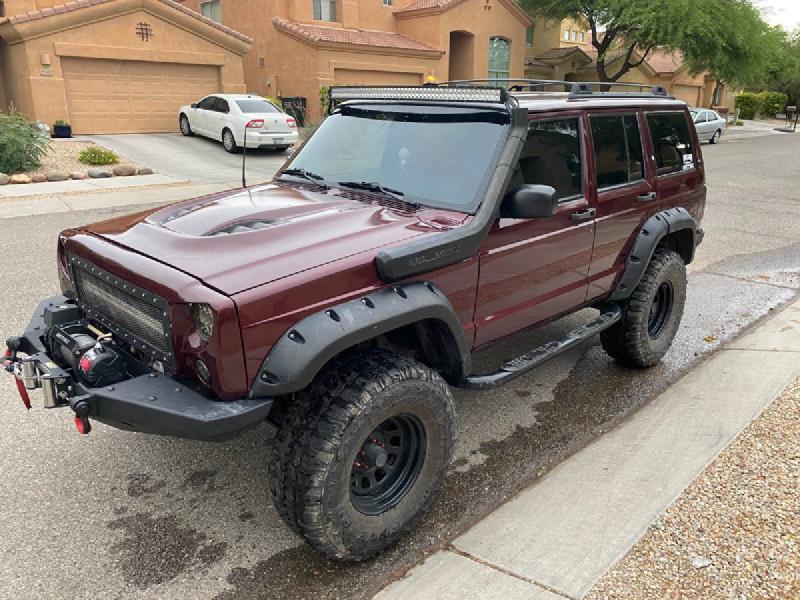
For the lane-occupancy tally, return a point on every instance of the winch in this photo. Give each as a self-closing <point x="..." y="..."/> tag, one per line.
<point x="92" y="357"/>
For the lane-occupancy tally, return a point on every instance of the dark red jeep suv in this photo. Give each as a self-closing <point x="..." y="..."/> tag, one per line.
<point x="342" y="300"/>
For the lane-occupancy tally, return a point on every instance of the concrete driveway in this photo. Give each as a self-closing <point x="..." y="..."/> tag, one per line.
<point x="196" y="158"/>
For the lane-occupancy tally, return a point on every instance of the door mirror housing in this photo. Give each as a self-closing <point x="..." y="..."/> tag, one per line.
<point x="530" y="202"/>
<point x="194" y="105"/>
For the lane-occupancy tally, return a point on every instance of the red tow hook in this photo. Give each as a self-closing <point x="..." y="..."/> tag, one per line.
<point x="82" y="417"/>
<point x="9" y="364"/>
<point x="23" y="393"/>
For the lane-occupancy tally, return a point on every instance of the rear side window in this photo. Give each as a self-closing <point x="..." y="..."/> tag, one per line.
<point x="221" y="105"/>
<point x="552" y="156"/>
<point x="617" y="150"/>
<point x="672" y="143"/>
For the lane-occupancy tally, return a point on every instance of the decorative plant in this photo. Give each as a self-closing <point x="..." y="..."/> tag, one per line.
<point x="275" y="101"/>
<point x="95" y="155"/>
<point x="22" y="145"/>
<point x="61" y="123"/>
<point x="324" y="97"/>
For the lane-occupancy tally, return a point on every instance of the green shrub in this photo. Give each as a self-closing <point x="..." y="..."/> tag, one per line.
<point x="324" y="97"/>
<point x="772" y="103"/>
<point x="275" y="101"/>
<point x="61" y="122"/>
<point x="749" y="105"/>
<point x="740" y="123"/>
<point x="22" y="144"/>
<point x="95" y="155"/>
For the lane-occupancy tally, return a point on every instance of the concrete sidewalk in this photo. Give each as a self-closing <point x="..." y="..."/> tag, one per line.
<point x="71" y="186"/>
<point x="559" y="536"/>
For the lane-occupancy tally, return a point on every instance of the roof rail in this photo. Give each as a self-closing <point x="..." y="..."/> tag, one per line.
<point x="577" y="89"/>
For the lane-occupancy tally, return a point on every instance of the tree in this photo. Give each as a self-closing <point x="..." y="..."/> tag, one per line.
<point x="627" y="31"/>
<point x="786" y="78"/>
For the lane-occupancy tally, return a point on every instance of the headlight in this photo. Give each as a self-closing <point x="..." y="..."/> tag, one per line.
<point x="203" y="317"/>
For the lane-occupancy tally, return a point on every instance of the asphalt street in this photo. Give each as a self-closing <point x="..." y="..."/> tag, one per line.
<point x="121" y="515"/>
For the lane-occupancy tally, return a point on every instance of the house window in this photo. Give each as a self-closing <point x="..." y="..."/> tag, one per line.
<point x="566" y="35"/>
<point x="499" y="58"/>
<point x="2" y="9"/>
<point x="529" y="37"/>
<point x="212" y="10"/>
<point x="388" y="2"/>
<point x="325" y="10"/>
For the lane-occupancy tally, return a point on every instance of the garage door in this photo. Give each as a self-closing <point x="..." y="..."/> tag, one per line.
<point x="114" y="96"/>
<point x="368" y="77"/>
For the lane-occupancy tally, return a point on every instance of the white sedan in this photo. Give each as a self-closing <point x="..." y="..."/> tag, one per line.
<point x="224" y="117"/>
<point x="710" y="126"/>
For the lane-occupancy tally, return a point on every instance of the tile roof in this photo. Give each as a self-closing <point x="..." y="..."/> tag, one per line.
<point x="665" y="62"/>
<point x="423" y="4"/>
<point x="354" y="37"/>
<point x="35" y="15"/>
<point x="558" y="52"/>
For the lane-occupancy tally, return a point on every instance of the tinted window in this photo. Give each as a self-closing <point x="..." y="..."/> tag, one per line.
<point x="440" y="157"/>
<point x="256" y="105"/>
<point x="671" y="142"/>
<point x="207" y="103"/>
<point x="221" y="106"/>
<point x="617" y="150"/>
<point x="552" y="156"/>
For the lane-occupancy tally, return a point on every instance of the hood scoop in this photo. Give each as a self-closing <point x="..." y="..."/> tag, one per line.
<point x="245" y="227"/>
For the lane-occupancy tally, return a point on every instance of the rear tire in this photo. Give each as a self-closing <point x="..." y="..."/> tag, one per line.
<point x="716" y="137"/>
<point x="229" y="142"/>
<point x="186" y="127"/>
<point x="652" y="314"/>
<point x="360" y="457"/>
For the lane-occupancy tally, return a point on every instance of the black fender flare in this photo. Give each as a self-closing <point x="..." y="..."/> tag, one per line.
<point x="655" y="229"/>
<point x="305" y="348"/>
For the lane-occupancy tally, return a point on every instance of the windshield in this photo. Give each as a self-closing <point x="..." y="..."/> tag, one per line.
<point x="256" y="106"/>
<point x="440" y="157"/>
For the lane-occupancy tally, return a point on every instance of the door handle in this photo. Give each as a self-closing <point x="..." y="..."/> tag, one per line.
<point x="649" y="197"/>
<point x="584" y="215"/>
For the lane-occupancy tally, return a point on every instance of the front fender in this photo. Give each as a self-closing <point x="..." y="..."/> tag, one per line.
<point x="303" y="350"/>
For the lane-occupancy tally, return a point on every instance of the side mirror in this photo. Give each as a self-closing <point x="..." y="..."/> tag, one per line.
<point x="194" y="105"/>
<point x="530" y="202"/>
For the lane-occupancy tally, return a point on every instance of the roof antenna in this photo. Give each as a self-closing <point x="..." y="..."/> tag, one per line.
<point x="254" y="124"/>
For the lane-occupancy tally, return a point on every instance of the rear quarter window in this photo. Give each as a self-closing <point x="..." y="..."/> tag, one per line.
<point x="672" y="142"/>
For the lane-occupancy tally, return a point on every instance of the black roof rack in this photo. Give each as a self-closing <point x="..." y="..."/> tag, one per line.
<point x="576" y="89"/>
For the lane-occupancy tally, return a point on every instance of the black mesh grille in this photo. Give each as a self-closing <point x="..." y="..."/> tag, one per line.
<point x="133" y="313"/>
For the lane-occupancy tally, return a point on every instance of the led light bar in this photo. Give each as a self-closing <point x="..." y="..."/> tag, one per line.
<point x="423" y="93"/>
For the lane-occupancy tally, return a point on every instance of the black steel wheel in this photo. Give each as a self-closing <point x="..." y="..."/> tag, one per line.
<point x="660" y="310"/>
<point x="652" y="315"/>
<point x="361" y="454"/>
<point x="387" y="465"/>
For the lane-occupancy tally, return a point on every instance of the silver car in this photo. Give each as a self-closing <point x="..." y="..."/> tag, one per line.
<point x="710" y="126"/>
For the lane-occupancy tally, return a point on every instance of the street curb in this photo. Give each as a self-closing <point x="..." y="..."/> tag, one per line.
<point x="561" y="534"/>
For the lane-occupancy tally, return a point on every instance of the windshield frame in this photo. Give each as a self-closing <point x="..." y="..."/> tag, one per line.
<point x="412" y="110"/>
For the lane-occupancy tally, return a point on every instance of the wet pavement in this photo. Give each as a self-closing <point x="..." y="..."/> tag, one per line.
<point x="122" y="515"/>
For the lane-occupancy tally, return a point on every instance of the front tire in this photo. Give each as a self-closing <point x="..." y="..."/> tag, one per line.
<point x="652" y="315"/>
<point x="229" y="142"/>
<point x="186" y="127"/>
<point x="360" y="457"/>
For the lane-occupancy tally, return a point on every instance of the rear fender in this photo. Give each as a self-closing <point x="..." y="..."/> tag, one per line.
<point x="673" y="221"/>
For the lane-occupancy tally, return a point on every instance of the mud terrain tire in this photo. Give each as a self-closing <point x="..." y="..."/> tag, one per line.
<point x="652" y="314"/>
<point x="327" y="438"/>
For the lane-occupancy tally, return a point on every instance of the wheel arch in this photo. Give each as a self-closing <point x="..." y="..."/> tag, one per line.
<point x="416" y="316"/>
<point x="674" y="228"/>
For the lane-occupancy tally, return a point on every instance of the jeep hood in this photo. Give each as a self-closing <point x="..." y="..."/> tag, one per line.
<point x="238" y="240"/>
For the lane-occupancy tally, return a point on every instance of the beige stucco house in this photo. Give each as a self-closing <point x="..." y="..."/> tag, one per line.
<point x="563" y="51"/>
<point x="113" y="65"/>
<point x="301" y="45"/>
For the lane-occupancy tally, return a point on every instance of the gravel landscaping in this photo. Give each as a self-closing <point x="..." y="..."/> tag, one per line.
<point x="735" y="532"/>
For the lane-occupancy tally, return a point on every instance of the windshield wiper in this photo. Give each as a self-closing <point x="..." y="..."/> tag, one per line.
<point x="373" y="186"/>
<point x="308" y="175"/>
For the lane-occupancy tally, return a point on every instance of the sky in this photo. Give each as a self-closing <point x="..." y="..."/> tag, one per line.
<point x="782" y="12"/>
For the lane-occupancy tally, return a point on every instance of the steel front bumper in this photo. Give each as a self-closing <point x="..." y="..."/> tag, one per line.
<point x="150" y="403"/>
